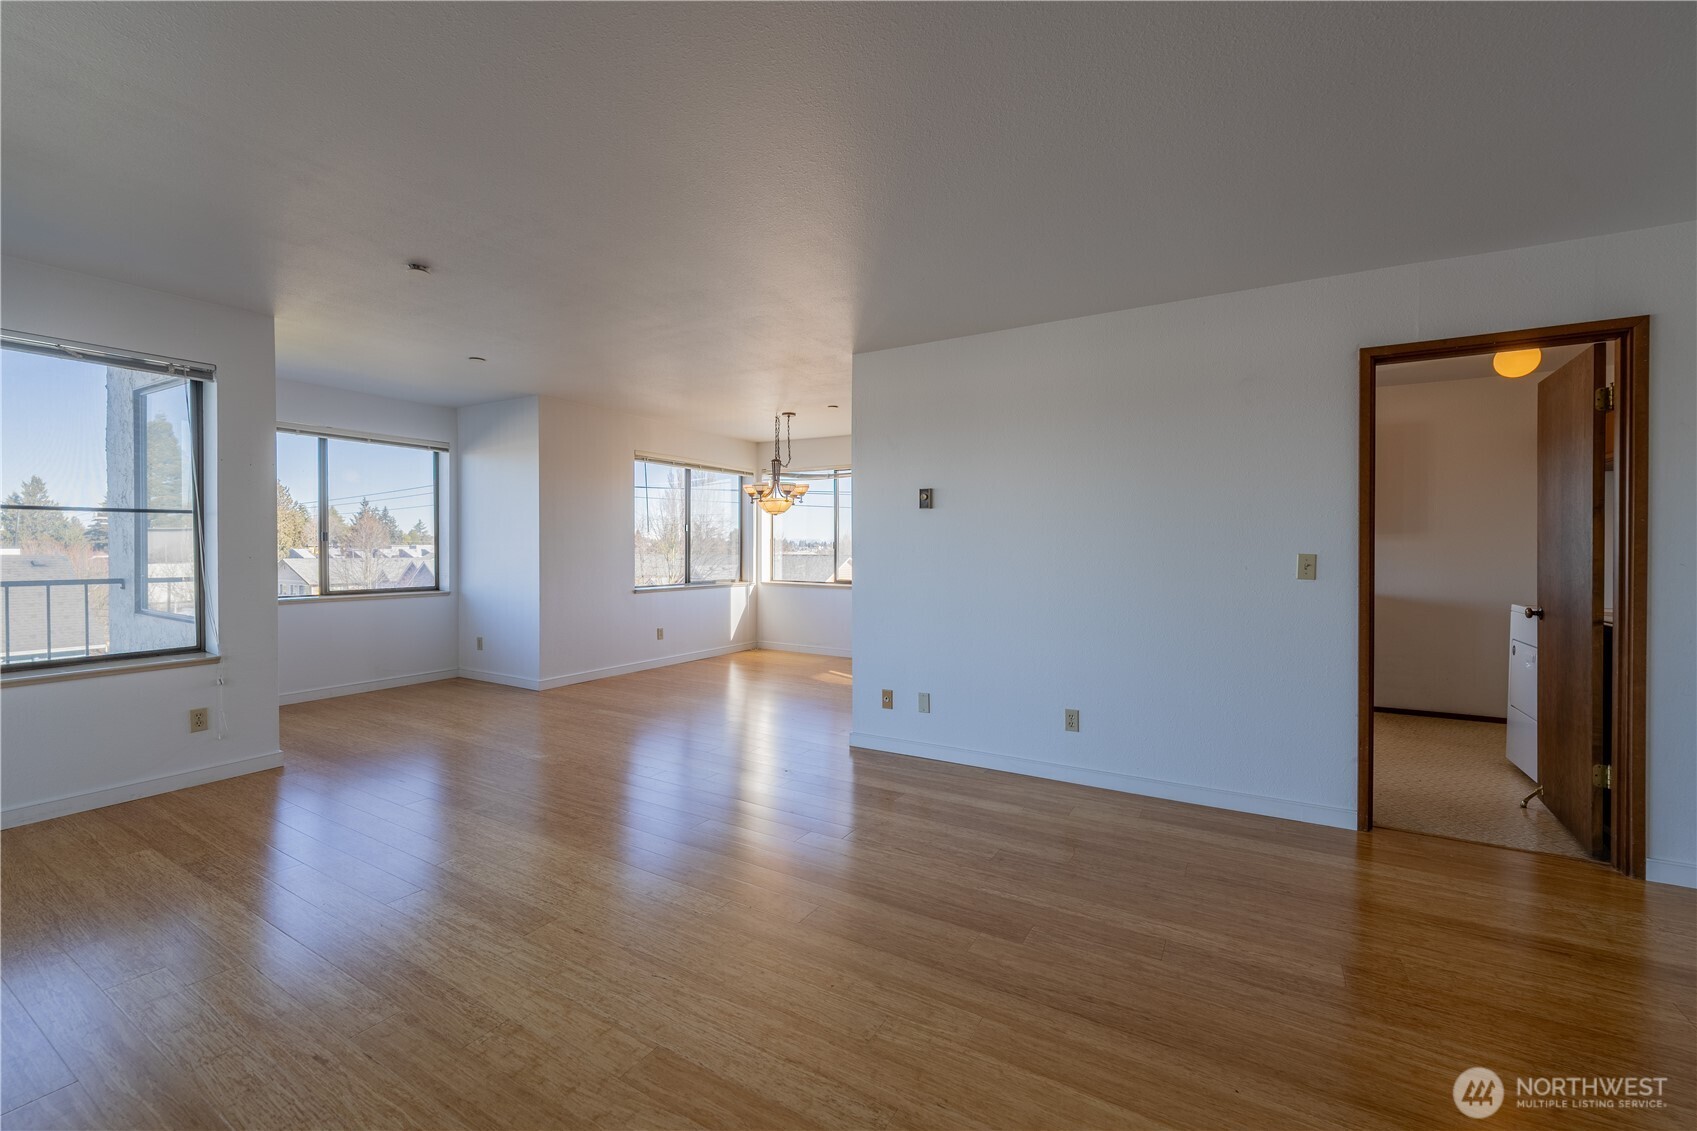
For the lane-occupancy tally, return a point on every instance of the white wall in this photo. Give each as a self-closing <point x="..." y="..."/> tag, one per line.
<point x="1457" y="540"/>
<point x="80" y="743"/>
<point x="1120" y="503"/>
<point x="822" y="453"/>
<point x="593" y="622"/>
<point x="499" y="546"/>
<point x="806" y="618"/>
<point x="342" y="646"/>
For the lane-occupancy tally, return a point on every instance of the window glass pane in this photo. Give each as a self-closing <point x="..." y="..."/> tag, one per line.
<point x="69" y="596"/>
<point x="845" y="527"/>
<point x="165" y="446"/>
<point x="659" y="524"/>
<point x="802" y="548"/>
<point x="165" y="474"/>
<point x="297" y="515"/>
<point x="54" y="429"/>
<point x="382" y="516"/>
<point x="83" y="581"/>
<point x="169" y="569"/>
<point x="715" y="526"/>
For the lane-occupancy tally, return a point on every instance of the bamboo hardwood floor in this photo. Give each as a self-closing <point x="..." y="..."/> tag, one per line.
<point x="677" y="899"/>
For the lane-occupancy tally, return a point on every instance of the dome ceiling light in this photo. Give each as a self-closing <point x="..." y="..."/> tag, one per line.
<point x="1516" y="363"/>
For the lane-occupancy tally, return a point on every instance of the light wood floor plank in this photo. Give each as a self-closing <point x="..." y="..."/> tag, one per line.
<point x="646" y="902"/>
<point x="30" y="1067"/>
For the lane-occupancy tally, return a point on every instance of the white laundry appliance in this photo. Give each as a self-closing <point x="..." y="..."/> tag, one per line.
<point x="1523" y="690"/>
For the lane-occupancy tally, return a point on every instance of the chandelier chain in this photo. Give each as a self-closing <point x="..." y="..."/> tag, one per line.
<point x="775" y="496"/>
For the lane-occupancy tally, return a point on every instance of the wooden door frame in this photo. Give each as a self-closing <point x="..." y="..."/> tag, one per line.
<point x="1631" y="596"/>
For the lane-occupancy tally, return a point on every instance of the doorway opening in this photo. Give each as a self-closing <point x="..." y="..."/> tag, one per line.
<point x="1504" y="519"/>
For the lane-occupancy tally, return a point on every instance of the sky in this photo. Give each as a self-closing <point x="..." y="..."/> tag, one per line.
<point x="389" y="475"/>
<point x="53" y="424"/>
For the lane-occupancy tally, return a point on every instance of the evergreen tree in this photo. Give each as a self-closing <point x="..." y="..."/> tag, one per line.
<point x="294" y="524"/>
<point x="99" y="533"/>
<point x="164" y="488"/>
<point x="40" y="531"/>
<point x="337" y="528"/>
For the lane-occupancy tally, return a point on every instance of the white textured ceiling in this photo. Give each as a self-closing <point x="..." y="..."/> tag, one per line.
<point x="704" y="211"/>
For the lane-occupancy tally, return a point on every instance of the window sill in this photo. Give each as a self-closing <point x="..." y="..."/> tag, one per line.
<point x="377" y="596"/>
<point x="107" y="667"/>
<point x="160" y="615"/>
<point x="693" y="587"/>
<point x="846" y="585"/>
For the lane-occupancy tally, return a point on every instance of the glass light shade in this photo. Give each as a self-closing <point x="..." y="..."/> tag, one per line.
<point x="1516" y="363"/>
<point x="775" y="504"/>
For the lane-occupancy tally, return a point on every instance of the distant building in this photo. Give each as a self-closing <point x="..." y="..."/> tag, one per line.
<point x="390" y="567"/>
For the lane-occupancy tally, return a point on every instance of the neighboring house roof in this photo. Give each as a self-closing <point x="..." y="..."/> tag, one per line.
<point x="392" y="567"/>
<point x="290" y="582"/>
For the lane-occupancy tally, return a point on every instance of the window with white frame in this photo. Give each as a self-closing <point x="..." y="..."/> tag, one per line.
<point x="356" y="514"/>
<point x="101" y="461"/>
<point x="688" y="525"/>
<point x="813" y="541"/>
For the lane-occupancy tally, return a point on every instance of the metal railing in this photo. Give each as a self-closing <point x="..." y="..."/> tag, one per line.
<point x="170" y="584"/>
<point x="47" y="584"/>
<point x="85" y="583"/>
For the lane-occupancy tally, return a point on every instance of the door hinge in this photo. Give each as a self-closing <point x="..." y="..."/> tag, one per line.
<point x="1602" y="776"/>
<point x="1605" y="399"/>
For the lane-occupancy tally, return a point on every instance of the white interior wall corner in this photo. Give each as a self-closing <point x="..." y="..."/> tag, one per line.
<point x="1218" y="439"/>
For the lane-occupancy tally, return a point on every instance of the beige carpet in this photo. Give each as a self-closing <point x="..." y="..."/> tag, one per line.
<point x="1451" y="778"/>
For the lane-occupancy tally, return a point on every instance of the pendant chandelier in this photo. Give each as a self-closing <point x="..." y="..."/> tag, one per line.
<point x="775" y="496"/>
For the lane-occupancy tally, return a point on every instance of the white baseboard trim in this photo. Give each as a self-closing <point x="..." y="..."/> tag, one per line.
<point x="501" y="678"/>
<point x="805" y="649"/>
<point x="360" y="688"/>
<point x="147" y="787"/>
<point x="1670" y="872"/>
<point x="1305" y="811"/>
<point x="601" y="673"/>
<point x="554" y="681"/>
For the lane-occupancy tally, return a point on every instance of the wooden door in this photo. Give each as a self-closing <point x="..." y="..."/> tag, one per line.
<point x="1570" y="593"/>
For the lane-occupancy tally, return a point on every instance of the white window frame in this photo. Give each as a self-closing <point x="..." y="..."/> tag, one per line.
<point x="144" y="584"/>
